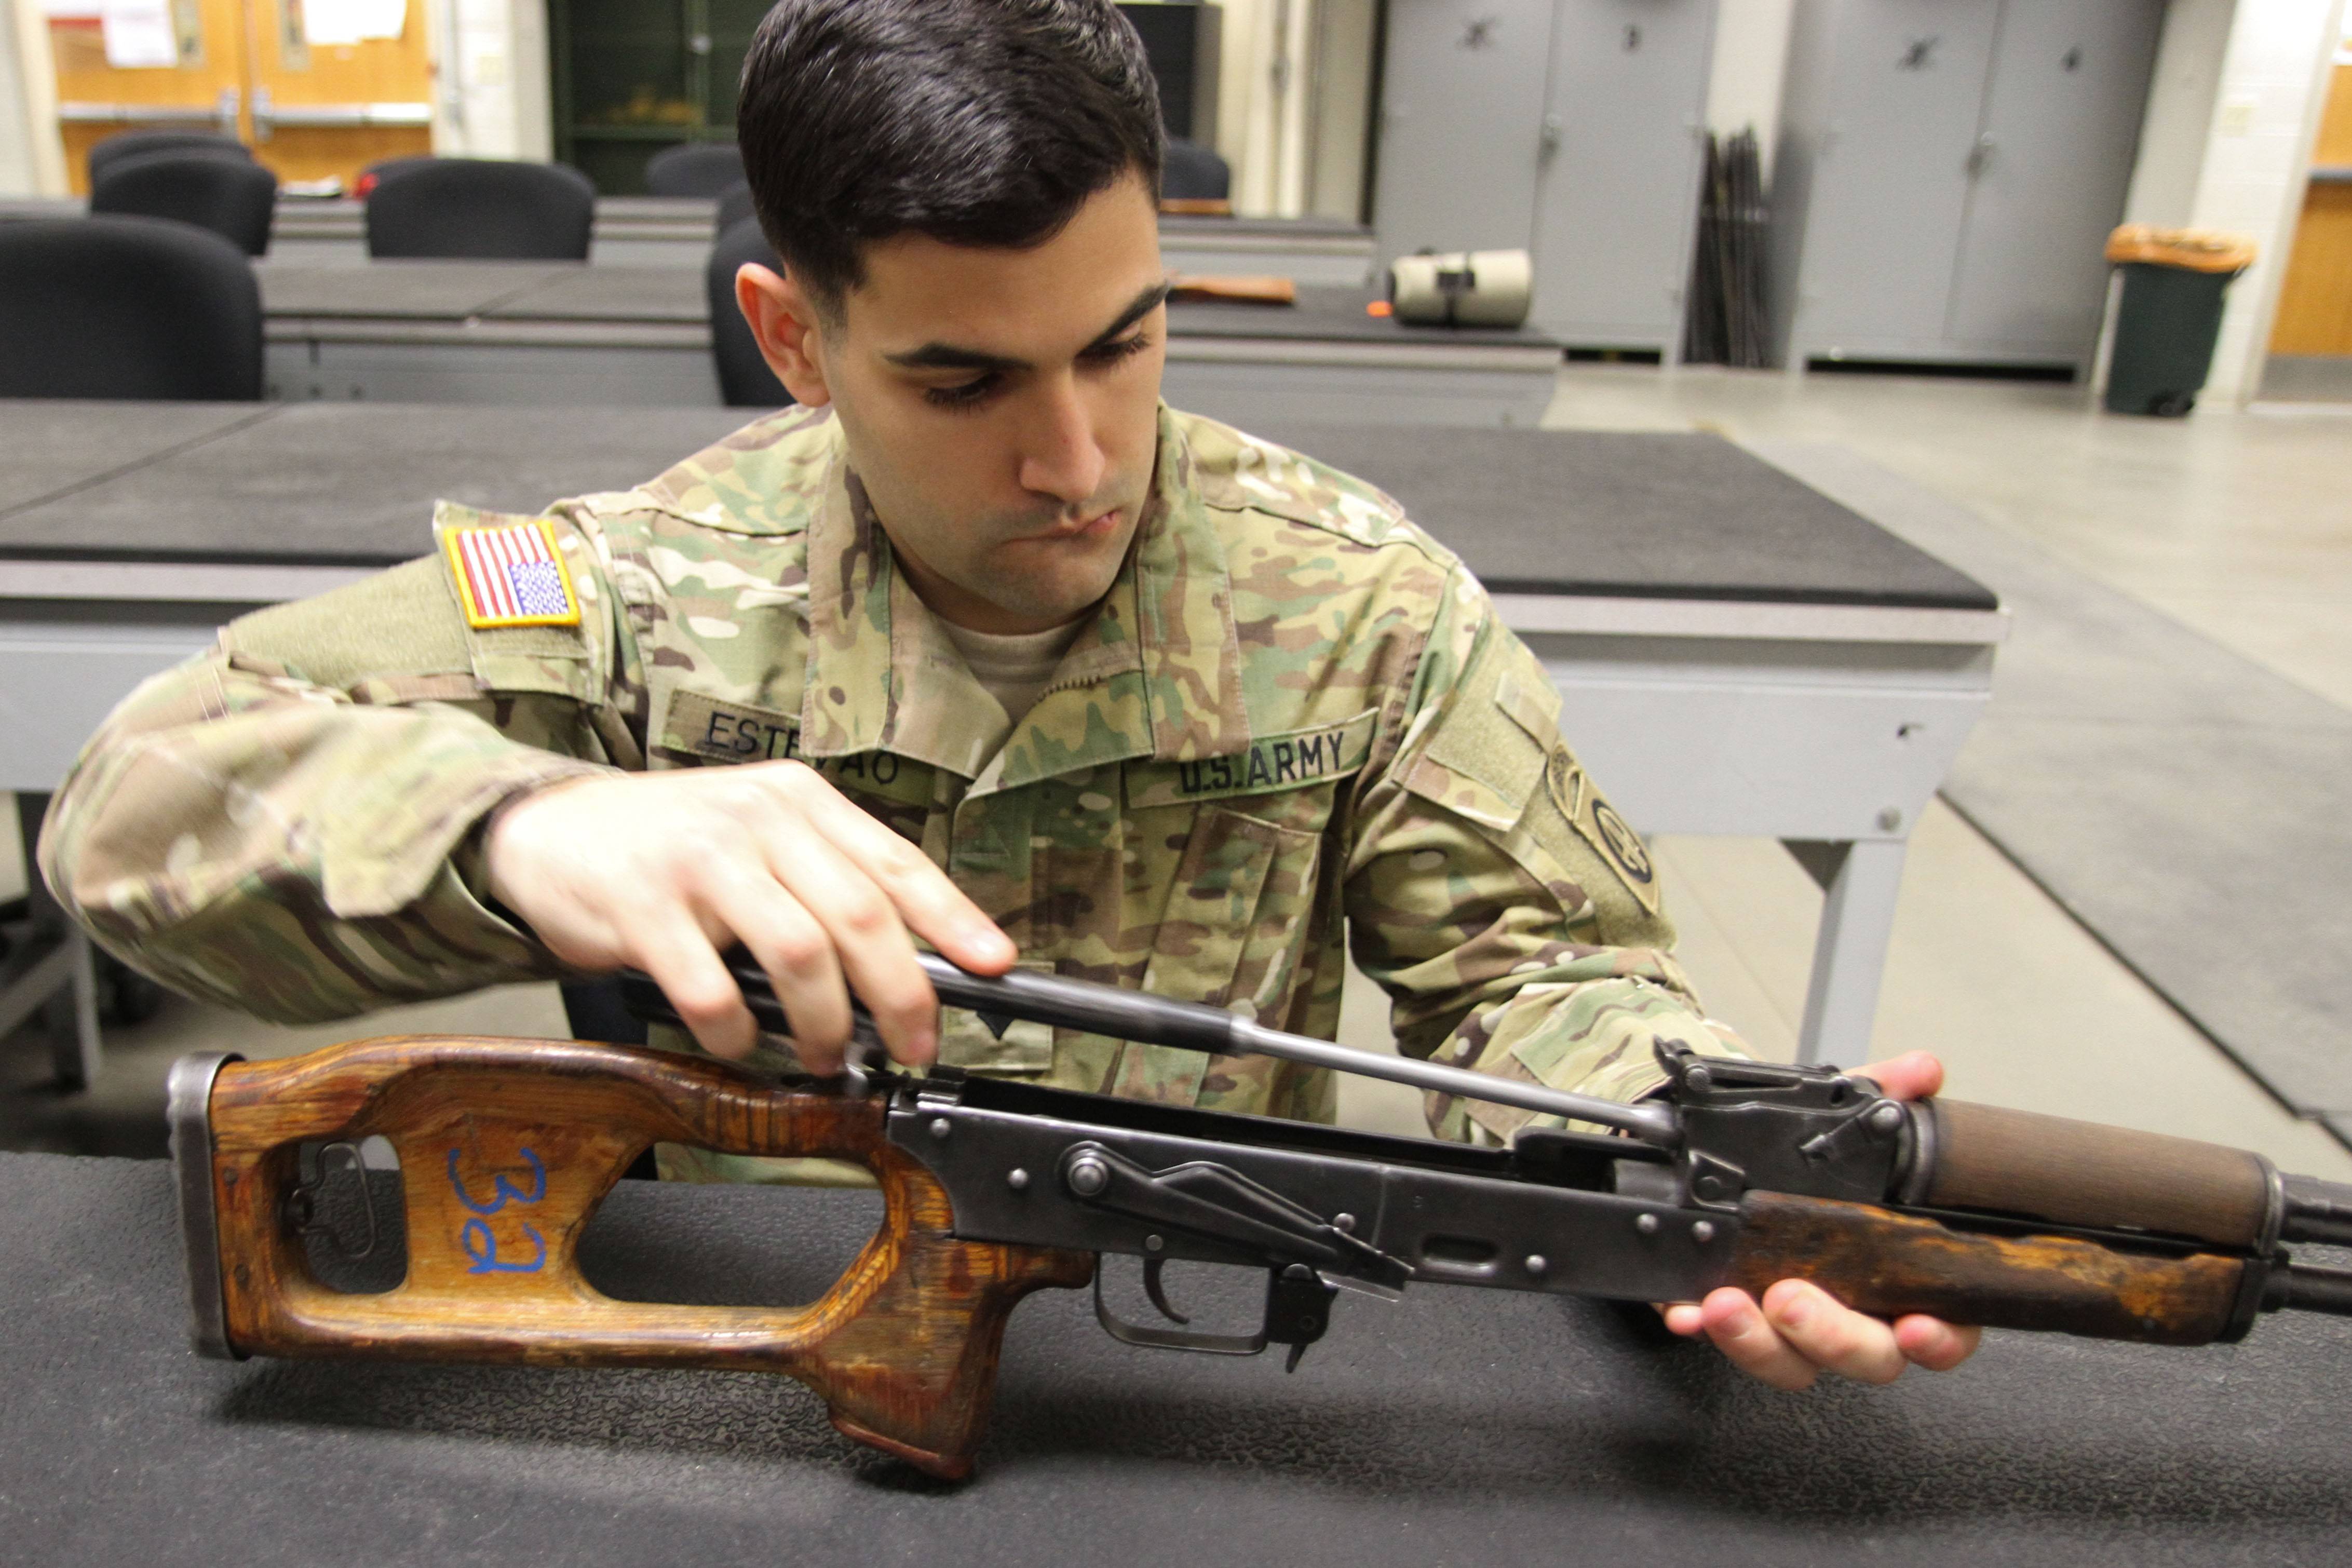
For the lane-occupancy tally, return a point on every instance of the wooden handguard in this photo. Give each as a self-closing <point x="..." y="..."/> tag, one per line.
<point x="2078" y="1172"/>
<point x="505" y="1148"/>
<point x="1889" y="1264"/>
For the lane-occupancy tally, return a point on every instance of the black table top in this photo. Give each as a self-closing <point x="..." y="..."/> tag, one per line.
<point x="49" y="447"/>
<point x="1569" y="512"/>
<point x="408" y="290"/>
<point x="611" y="294"/>
<point x="1644" y="515"/>
<point x="1331" y="314"/>
<point x="1454" y="1426"/>
<point x="576" y="291"/>
<point x="341" y="483"/>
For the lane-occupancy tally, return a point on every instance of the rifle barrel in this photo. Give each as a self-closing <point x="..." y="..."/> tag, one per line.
<point x="1150" y="1020"/>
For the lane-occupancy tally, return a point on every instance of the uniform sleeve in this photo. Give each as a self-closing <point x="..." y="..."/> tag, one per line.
<point x="1513" y="917"/>
<point x="285" y="825"/>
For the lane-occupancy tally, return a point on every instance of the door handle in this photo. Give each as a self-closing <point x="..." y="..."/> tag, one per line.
<point x="269" y="114"/>
<point x="222" y="112"/>
<point x="1981" y="157"/>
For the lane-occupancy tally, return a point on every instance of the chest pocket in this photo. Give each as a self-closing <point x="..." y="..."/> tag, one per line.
<point x="1238" y="845"/>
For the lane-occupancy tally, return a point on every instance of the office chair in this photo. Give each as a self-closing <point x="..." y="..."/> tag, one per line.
<point x="482" y="208"/>
<point x="744" y="379"/>
<point x="1191" y="172"/>
<point x="138" y="144"/>
<point x="734" y="206"/>
<point x="232" y="198"/>
<point x="127" y="308"/>
<point x="694" y="169"/>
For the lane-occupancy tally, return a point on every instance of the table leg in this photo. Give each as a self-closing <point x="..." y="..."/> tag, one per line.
<point x="64" y="982"/>
<point x="1862" y="880"/>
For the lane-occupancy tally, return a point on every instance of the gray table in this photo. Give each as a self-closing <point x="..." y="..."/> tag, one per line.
<point x="472" y="332"/>
<point x="675" y="232"/>
<point x="1737" y="654"/>
<point x="1453" y="1427"/>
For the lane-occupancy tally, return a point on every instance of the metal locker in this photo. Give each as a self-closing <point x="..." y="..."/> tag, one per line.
<point x="1617" y="203"/>
<point x="1947" y="172"/>
<point x="2053" y="162"/>
<point x="1462" y="95"/>
<point x="1905" y="86"/>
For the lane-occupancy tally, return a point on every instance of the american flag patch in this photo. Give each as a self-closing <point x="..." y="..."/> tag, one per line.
<point x="510" y="576"/>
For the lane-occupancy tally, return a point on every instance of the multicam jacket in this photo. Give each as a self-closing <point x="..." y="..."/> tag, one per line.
<point x="1293" y="707"/>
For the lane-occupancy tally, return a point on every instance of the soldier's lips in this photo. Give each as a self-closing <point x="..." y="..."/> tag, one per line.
<point x="1094" y="526"/>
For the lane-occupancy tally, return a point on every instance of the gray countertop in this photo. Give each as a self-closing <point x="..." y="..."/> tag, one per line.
<point x="576" y="291"/>
<point x="1576" y="512"/>
<point x="1453" y="1427"/>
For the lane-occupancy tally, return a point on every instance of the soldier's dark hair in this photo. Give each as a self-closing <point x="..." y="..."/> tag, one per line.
<point x="980" y="122"/>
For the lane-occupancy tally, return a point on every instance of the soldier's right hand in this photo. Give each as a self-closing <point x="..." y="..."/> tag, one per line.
<point x="664" y="871"/>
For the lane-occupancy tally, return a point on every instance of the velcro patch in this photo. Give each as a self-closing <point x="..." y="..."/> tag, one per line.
<point x="511" y="574"/>
<point x="1598" y="822"/>
<point x="715" y="730"/>
<point x="728" y="732"/>
<point x="1293" y="761"/>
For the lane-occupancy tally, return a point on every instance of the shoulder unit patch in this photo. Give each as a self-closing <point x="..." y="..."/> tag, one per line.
<point x="511" y="574"/>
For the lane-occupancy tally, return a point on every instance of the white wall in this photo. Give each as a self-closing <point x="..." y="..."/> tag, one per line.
<point x="1751" y="53"/>
<point x="2272" y="89"/>
<point x="1263" y="100"/>
<point x="491" y="98"/>
<point x="32" y="158"/>
<point x="2179" y="120"/>
<point x="1339" y="107"/>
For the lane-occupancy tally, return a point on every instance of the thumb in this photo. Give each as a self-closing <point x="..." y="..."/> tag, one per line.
<point x="1914" y="1075"/>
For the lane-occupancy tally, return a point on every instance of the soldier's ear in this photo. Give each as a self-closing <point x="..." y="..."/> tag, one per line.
<point x="790" y="331"/>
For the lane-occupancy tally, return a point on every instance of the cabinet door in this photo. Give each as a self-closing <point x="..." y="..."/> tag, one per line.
<point x="1618" y="194"/>
<point x="1461" y="93"/>
<point x="2061" y="127"/>
<point x="1890" y="186"/>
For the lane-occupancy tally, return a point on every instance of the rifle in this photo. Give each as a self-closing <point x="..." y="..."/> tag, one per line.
<point x="1740" y="1173"/>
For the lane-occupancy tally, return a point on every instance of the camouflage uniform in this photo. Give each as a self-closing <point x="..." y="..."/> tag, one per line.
<point x="1293" y="705"/>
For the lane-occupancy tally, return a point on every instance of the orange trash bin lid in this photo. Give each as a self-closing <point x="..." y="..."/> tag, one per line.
<point x="2196" y="249"/>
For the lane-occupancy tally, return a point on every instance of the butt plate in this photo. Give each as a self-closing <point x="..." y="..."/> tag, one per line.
<point x="189" y="1089"/>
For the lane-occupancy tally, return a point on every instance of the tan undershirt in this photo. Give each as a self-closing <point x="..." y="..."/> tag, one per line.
<point x="1015" y="669"/>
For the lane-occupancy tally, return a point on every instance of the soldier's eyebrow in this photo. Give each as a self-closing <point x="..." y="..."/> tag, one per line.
<point x="948" y="356"/>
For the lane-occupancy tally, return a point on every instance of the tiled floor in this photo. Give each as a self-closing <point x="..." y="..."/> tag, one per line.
<point x="2234" y="523"/>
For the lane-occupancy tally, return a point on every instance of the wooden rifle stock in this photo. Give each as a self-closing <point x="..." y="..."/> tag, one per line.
<point x="1889" y="1264"/>
<point x="505" y="1148"/>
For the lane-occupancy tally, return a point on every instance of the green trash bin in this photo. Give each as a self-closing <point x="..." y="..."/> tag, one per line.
<point x="2174" y="284"/>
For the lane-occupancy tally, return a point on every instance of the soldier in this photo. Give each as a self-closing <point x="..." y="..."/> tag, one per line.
<point x="1001" y="654"/>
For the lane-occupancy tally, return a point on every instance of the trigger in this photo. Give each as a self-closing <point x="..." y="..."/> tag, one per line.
<point x="1159" y="1294"/>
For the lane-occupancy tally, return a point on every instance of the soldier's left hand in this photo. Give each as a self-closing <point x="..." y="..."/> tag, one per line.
<point x="1797" y="1331"/>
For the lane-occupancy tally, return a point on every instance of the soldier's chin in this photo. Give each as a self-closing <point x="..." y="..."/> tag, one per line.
<point x="1053" y="597"/>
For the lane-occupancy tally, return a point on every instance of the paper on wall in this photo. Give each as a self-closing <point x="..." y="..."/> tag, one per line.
<point x="139" y="34"/>
<point x="326" y="23"/>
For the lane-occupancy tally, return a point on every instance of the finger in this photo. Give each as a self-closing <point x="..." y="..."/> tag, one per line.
<point x="798" y="957"/>
<point x="1830" y="1335"/>
<point x="1914" y="1075"/>
<point x="1933" y="1344"/>
<point x="678" y="955"/>
<point x="1736" y="1324"/>
<point x="930" y="905"/>
<point x="864" y="937"/>
<point x="1682" y="1317"/>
